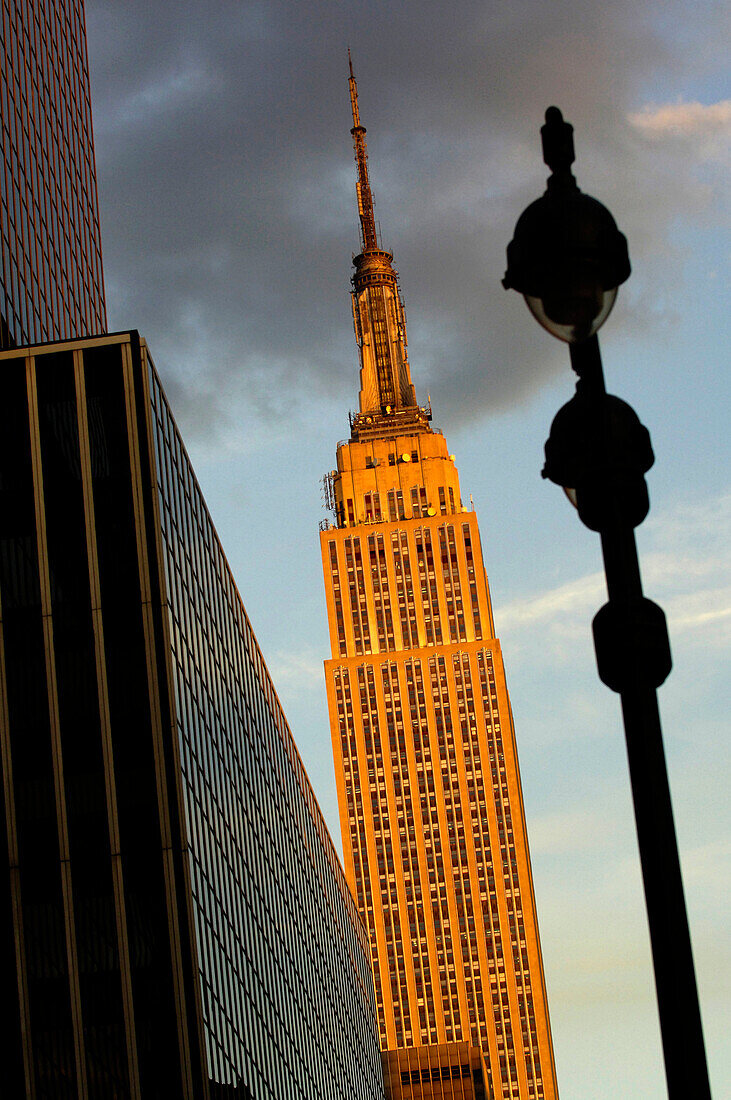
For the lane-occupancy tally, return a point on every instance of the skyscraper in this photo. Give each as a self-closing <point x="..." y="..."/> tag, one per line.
<point x="51" y="283"/>
<point x="174" y="920"/>
<point x="431" y="809"/>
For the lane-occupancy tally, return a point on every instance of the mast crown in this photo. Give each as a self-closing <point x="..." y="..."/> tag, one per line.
<point x="387" y="402"/>
<point x="368" y="235"/>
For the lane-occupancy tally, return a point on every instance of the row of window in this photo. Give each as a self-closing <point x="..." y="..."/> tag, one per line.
<point x="419" y="506"/>
<point x="424" y="788"/>
<point x="371" y="597"/>
<point x="50" y="228"/>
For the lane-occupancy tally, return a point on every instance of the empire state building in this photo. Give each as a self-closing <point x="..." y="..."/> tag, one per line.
<point x="431" y="809"/>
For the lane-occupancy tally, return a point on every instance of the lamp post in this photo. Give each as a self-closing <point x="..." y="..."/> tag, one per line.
<point x="568" y="259"/>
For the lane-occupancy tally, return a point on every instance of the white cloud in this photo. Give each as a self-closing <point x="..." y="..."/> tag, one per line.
<point x="686" y="119"/>
<point x="294" y="672"/>
<point x="706" y="127"/>
<point x="568" y="600"/>
<point x="706" y="521"/>
<point x="706" y="872"/>
<point x="578" y="829"/>
<point x="686" y="568"/>
<point x="702" y="610"/>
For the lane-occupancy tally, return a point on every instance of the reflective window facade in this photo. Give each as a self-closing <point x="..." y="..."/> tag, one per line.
<point x="174" y="915"/>
<point x="51" y="283"/>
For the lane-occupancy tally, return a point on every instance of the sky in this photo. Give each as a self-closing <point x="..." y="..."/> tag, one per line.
<point x="226" y="181"/>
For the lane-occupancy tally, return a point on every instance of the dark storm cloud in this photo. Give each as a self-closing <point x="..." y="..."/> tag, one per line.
<point x="226" y="182"/>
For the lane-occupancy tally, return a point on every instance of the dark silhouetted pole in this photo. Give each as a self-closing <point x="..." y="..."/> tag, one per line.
<point x="568" y="258"/>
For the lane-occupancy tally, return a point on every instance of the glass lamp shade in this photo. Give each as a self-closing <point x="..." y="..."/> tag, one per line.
<point x="573" y="313"/>
<point x="567" y="258"/>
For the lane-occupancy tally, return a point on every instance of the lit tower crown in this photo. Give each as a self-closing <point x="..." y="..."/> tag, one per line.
<point x="387" y="396"/>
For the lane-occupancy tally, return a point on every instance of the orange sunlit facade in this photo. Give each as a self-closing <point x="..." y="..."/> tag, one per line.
<point x="429" y="790"/>
<point x="51" y="283"/>
<point x="450" y="1071"/>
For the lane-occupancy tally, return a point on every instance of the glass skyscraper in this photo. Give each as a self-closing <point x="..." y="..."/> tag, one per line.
<point x="51" y="283"/>
<point x="175" y="921"/>
<point x="431" y="809"/>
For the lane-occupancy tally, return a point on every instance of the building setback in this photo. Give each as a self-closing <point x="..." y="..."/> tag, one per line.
<point x="51" y="282"/>
<point x="429" y="791"/>
<point x="446" y="1071"/>
<point x="175" y="921"/>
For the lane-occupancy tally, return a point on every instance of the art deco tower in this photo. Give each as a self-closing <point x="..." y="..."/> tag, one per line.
<point x="429" y="790"/>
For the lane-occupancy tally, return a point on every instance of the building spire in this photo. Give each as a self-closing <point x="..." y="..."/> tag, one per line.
<point x="369" y="237"/>
<point x="387" y="398"/>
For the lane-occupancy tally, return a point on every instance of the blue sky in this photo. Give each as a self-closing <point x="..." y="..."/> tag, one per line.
<point x="228" y="215"/>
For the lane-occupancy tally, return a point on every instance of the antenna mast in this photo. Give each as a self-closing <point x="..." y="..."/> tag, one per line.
<point x="368" y="233"/>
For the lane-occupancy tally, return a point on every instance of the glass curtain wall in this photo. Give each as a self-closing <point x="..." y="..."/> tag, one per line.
<point x="175" y="916"/>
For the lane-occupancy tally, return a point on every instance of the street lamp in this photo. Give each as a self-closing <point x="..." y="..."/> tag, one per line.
<point x="568" y="259"/>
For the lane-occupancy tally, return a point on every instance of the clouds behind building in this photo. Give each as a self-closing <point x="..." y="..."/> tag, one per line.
<point x="227" y="193"/>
